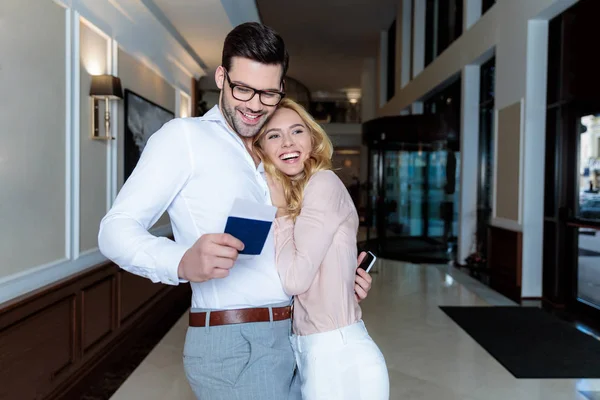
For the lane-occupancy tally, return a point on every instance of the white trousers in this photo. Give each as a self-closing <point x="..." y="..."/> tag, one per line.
<point x="343" y="364"/>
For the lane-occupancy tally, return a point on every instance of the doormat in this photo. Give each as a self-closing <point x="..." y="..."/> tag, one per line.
<point x="530" y="342"/>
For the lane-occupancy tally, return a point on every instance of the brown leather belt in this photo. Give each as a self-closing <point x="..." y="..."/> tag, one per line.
<point x="229" y="317"/>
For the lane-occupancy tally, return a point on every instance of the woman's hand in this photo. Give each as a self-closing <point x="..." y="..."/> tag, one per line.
<point x="362" y="282"/>
<point x="277" y="195"/>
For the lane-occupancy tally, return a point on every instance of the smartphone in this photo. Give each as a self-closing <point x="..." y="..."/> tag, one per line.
<point x="368" y="261"/>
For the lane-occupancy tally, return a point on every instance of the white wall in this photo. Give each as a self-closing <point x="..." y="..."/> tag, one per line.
<point x="143" y="81"/>
<point x="137" y="30"/>
<point x="33" y="193"/>
<point x="57" y="182"/>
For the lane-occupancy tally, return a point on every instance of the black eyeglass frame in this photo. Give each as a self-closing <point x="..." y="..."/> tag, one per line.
<point x="232" y="86"/>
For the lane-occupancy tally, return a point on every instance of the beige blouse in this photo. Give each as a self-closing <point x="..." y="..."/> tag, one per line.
<point x="316" y="257"/>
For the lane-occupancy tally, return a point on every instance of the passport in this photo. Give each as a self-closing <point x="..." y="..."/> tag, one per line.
<point x="253" y="233"/>
<point x="250" y="222"/>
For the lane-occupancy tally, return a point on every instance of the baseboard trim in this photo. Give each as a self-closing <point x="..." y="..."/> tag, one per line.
<point x="32" y="279"/>
<point x="552" y="304"/>
<point x="506" y="224"/>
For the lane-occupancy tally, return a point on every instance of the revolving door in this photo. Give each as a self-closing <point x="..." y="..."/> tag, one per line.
<point x="413" y="195"/>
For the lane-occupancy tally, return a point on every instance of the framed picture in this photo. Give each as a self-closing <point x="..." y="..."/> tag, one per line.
<point x="142" y="118"/>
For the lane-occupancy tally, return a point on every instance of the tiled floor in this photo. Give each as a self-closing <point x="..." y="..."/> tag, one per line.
<point x="429" y="357"/>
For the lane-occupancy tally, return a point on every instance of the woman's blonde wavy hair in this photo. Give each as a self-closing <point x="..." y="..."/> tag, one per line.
<point x="319" y="159"/>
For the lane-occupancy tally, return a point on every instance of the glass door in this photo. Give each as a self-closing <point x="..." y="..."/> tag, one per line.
<point x="413" y="211"/>
<point x="393" y="195"/>
<point x="443" y="171"/>
<point x="409" y="181"/>
<point x="402" y="194"/>
<point x="374" y="188"/>
<point x="586" y="219"/>
<point x="437" y="194"/>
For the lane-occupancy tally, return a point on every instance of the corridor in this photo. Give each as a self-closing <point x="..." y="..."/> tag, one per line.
<point x="429" y="357"/>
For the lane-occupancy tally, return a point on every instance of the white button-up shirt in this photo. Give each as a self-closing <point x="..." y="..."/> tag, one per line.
<point x="193" y="168"/>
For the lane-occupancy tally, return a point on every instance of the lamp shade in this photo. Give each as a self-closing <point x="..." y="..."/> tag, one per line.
<point x="106" y="86"/>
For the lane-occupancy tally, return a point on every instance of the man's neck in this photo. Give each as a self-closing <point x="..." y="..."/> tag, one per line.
<point x="248" y="146"/>
<point x="247" y="141"/>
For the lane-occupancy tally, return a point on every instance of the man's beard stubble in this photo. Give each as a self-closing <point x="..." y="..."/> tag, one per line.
<point x="231" y="116"/>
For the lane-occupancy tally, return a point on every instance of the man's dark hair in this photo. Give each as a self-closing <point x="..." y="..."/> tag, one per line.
<point x="256" y="42"/>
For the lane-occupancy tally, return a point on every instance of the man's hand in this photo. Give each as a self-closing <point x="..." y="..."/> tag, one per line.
<point x="363" y="280"/>
<point x="211" y="257"/>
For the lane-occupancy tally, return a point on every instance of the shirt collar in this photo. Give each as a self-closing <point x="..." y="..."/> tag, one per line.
<point x="215" y="114"/>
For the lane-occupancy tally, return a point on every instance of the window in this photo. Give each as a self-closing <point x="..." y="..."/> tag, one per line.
<point x="443" y="25"/>
<point x="446" y="101"/>
<point x="486" y="152"/>
<point x="486" y="5"/>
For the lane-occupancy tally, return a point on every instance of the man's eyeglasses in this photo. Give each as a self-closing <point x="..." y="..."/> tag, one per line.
<point x="245" y="93"/>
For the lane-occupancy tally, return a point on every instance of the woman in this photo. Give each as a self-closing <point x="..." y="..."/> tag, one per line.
<point x="315" y="241"/>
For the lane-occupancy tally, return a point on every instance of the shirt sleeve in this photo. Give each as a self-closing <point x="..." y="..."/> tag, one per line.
<point x="301" y="246"/>
<point x="162" y="171"/>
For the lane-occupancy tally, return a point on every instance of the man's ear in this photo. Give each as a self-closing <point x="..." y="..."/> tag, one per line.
<point x="220" y="77"/>
<point x="283" y="85"/>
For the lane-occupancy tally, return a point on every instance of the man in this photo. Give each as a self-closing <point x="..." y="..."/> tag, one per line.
<point x="238" y="345"/>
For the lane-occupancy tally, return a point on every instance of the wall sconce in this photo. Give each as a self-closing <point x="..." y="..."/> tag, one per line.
<point x="105" y="87"/>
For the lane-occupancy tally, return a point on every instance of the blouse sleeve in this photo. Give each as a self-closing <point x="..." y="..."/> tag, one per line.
<point x="300" y="247"/>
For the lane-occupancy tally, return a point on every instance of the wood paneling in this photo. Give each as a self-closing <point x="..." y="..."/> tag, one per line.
<point x="52" y="339"/>
<point x="97" y="308"/>
<point x="134" y="292"/>
<point x="48" y="335"/>
<point x="504" y="255"/>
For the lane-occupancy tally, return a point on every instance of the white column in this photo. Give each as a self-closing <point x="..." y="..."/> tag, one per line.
<point x="418" y="38"/>
<point x="417" y="107"/>
<point x="75" y="138"/>
<point x="534" y="142"/>
<point x="383" y="57"/>
<point x="368" y="97"/>
<point x="471" y="13"/>
<point x="406" y="42"/>
<point x="469" y="155"/>
<point x="112" y="146"/>
<point x="368" y="107"/>
<point x="69" y="90"/>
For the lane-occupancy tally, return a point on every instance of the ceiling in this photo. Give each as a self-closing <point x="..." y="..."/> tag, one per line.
<point x="202" y="25"/>
<point x="329" y="39"/>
